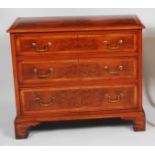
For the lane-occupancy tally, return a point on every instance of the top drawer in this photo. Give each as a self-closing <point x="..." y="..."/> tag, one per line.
<point x="48" y="43"/>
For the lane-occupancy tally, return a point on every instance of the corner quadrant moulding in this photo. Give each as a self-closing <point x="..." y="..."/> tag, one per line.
<point x="77" y="68"/>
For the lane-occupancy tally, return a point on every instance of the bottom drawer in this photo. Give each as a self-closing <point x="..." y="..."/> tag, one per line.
<point x="78" y="99"/>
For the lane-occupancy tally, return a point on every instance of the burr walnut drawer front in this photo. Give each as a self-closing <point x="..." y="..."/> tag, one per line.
<point x="88" y="98"/>
<point x="52" y="43"/>
<point x="67" y="70"/>
<point x="108" y="41"/>
<point x="45" y="43"/>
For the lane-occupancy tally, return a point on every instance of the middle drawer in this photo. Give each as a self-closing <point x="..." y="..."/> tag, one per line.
<point x="80" y="69"/>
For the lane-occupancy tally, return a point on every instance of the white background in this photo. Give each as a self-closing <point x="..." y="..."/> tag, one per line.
<point x="94" y="135"/>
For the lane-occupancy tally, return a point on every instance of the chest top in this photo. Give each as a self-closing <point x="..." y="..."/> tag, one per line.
<point x="84" y="23"/>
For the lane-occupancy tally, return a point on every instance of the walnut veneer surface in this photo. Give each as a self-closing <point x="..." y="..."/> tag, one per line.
<point x="74" y="68"/>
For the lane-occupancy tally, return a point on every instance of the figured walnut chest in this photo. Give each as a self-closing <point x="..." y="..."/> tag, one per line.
<point x="74" y="68"/>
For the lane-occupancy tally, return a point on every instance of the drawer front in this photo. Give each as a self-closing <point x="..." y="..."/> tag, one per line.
<point x="78" y="99"/>
<point x="47" y="71"/>
<point x="82" y="42"/>
<point x="45" y="43"/>
<point x="75" y="70"/>
<point x="108" y="42"/>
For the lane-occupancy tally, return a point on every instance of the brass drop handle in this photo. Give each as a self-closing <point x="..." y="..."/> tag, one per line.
<point x="44" y="49"/>
<point x="39" y="75"/>
<point x="117" y="71"/>
<point x="38" y="100"/>
<point x="109" y="46"/>
<point x="116" y="100"/>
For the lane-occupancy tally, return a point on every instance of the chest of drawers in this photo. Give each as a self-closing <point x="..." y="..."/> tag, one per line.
<point x="74" y="68"/>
